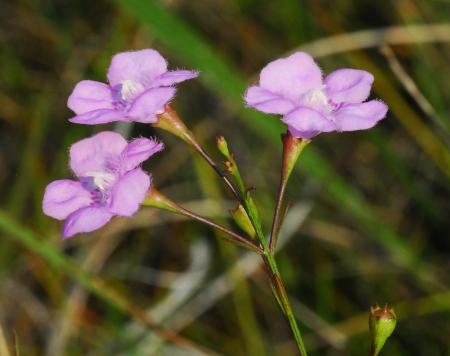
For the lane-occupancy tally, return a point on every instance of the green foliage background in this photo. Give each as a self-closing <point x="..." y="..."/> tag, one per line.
<point x="370" y="218"/>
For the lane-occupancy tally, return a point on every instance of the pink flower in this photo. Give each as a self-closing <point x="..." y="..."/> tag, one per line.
<point x="139" y="87"/>
<point x="109" y="183"/>
<point x="293" y="87"/>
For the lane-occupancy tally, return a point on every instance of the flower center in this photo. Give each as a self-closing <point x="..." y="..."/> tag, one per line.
<point x="129" y="89"/>
<point x="98" y="183"/>
<point x="101" y="180"/>
<point x="317" y="99"/>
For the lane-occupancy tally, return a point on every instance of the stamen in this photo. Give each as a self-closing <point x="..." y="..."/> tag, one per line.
<point x="101" y="180"/>
<point x="317" y="99"/>
<point x="129" y="89"/>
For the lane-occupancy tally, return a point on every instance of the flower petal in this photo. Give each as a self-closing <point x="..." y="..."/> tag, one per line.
<point x="268" y="102"/>
<point x="94" y="154"/>
<point x="292" y="76"/>
<point x="173" y="77"/>
<point x="138" y="151"/>
<point x="149" y="104"/>
<point x="89" y="95"/>
<point x="140" y="66"/>
<point x="306" y="123"/>
<point x="63" y="197"/>
<point x="95" y="117"/>
<point x="86" y="220"/>
<point x="363" y="116"/>
<point x="129" y="192"/>
<point x="348" y="85"/>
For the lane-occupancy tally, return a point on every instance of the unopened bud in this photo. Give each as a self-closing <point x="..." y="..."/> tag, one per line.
<point x="382" y="323"/>
<point x="222" y="145"/>
<point x="241" y="218"/>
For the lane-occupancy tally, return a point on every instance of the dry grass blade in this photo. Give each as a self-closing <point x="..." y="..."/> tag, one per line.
<point x="409" y="84"/>
<point x="394" y="35"/>
<point x="326" y="331"/>
<point x="183" y="288"/>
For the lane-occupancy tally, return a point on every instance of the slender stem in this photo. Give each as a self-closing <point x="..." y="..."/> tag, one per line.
<point x="281" y="296"/>
<point x="170" y="121"/>
<point x="276" y="215"/>
<point x="291" y="317"/>
<point x="279" y="290"/>
<point x="157" y="200"/>
<point x="292" y="147"/>
<point x="241" y="239"/>
<point x="214" y="166"/>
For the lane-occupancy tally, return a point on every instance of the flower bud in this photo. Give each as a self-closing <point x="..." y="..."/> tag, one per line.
<point x="222" y="145"/>
<point x="382" y="323"/>
<point x="241" y="218"/>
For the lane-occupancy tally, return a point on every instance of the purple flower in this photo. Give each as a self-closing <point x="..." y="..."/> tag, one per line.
<point x="293" y="87"/>
<point x="139" y="87"/>
<point x="110" y="182"/>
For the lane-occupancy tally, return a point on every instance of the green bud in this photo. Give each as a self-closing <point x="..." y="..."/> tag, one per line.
<point x="382" y="323"/>
<point x="241" y="218"/>
<point x="222" y="145"/>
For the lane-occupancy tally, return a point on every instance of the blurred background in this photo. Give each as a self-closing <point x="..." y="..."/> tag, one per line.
<point x="369" y="219"/>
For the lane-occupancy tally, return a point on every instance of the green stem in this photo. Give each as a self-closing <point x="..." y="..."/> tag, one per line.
<point x="278" y="286"/>
<point x="276" y="215"/>
<point x="171" y="122"/>
<point x="157" y="200"/>
<point x="281" y="295"/>
<point x="291" y="150"/>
